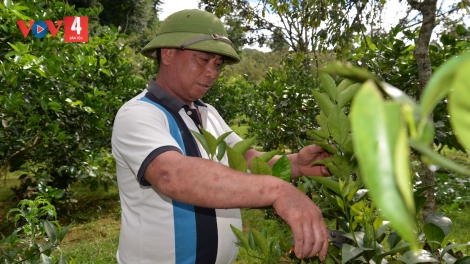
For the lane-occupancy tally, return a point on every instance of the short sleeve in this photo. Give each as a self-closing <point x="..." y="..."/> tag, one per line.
<point x="140" y="133"/>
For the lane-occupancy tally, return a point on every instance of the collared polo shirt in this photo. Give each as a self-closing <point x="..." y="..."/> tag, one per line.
<point x="155" y="228"/>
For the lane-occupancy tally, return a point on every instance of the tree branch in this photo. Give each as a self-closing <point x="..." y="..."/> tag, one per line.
<point x="415" y="4"/>
<point x="4" y="170"/>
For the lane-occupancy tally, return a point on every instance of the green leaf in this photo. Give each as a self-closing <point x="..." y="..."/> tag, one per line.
<point x="328" y="183"/>
<point x="411" y="257"/>
<point x="438" y="85"/>
<point x="338" y="166"/>
<point x="398" y="249"/>
<point x="452" y="246"/>
<point x="441" y="221"/>
<point x="242" y="146"/>
<point x="349" y="252"/>
<point x="329" y="86"/>
<point x="62" y="259"/>
<point x="282" y="168"/>
<point x="447" y="39"/>
<point x="105" y="71"/>
<point x="464" y="260"/>
<point x="221" y="150"/>
<point x="323" y="102"/>
<point x="346" y="95"/>
<point x="243" y="242"/>
<point x="269" y="155"/>
<point x="323" y="161"/>
<point x="57" y="110"/>
<point x="393" y="239"/>
<point x="63" y="232"/>
<point x="236" y="160"/>
<point x="54" y="104"/>
<point x="88" y="109"/>
<point x="251" y="240"/>
<point x="317" y="134"/>
<point x="347" y="71"/>
<point x="41" y="72"/>
<point x="261" y="242"/>
<point x="202" y="140"/>
<point x="434" y="235"/>
<point x="322" y="120"/>
<point x="211" y="142"/>
<point x="258" y="166"/>
<point x="427" y="131"/>
<point x="51" y="231"/>
<point x="45" y="259"/>
<point x="421" y="190"/>
<point x="326" y="146"/>
<point x="402" y="167"/>
<point x="438" y="159"/>
<point x="420" y="201"/>
<point x="338" y="125"/>
<point x="14" y="46"/>
<point x="339" y="202"/>
<point x="334" y="170"/>
<point x="375" y="128"/>
<point x="74" y="104"/>
<point x="398" y="95"/>
<point x="103" y="60"/>
<point x="459" y="103"/>
<point x="461" y="30"/>
<point x="223" y="136"/>
<point x="377" y="224"/>
<point x="343" y="85"/>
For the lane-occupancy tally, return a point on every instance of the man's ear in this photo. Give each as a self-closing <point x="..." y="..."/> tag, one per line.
<point x="167" y="55"/>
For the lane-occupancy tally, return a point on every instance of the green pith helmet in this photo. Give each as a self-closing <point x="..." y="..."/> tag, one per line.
<point x="195" y="30"/>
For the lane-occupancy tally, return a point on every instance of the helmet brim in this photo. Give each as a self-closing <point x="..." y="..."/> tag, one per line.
<point x="174" y="40"/>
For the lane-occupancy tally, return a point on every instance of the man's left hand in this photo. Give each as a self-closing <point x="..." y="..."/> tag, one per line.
<point x="302" y="165"/>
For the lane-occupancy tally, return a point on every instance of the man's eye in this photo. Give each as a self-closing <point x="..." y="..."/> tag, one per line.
<point x="203" y="58"/>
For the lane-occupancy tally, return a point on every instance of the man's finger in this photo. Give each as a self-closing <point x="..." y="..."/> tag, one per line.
<point x="319" y="236"/>
<point x="309" y="242"/>
<point x="298" y="242"/>
<point x="324" y="249"/>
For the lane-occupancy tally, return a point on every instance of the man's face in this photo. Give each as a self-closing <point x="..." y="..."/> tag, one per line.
<point x="192" y="73"/>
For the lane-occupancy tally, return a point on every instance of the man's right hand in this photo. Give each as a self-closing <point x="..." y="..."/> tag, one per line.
<point x="306" y="222"/>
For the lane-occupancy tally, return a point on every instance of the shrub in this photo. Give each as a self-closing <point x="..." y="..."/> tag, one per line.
<point x="58" y="99"/>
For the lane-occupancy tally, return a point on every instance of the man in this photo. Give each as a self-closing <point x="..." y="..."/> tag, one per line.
<point x="177" y="206"/>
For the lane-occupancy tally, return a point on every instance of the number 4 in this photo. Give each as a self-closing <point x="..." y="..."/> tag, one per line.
<point x="76" y="25"/>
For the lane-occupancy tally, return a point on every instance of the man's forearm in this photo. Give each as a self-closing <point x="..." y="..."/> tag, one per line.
<point x="206" y="183"/>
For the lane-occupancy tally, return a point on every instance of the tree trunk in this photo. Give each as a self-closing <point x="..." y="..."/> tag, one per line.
<point x="428" y="178"/>
<point x="427" y="8"/>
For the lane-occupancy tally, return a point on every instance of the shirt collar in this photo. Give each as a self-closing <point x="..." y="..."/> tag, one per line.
<point x="173" y="103"/>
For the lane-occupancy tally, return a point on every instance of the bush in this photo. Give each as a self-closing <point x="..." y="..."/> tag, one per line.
<point x="283" y="108"/>
<point x="58" y="99"/>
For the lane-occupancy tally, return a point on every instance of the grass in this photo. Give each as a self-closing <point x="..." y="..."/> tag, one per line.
<point x="92" y="242"/>
<point x="95" y="221"/>
<point x="239" y="127"/>
<point x="460" y="232"/>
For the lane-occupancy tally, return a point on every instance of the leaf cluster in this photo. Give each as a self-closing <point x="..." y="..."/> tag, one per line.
<point x="37" y="237"/>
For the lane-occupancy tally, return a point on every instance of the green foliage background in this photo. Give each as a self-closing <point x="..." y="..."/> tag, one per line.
<point x="58" y="100"/>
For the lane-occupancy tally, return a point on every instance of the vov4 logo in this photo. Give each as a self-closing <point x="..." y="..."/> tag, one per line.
<point x="75" y="28"/>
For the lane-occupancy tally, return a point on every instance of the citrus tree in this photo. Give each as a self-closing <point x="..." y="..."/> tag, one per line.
<point x="59" y="99"/>
<point x="370" y="196"/>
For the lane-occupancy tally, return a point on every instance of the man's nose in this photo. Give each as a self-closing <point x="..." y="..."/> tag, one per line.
<point x="212" y="70"/>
